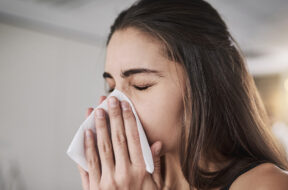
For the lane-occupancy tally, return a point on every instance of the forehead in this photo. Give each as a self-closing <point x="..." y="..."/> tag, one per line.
<point x="131" y="48"/>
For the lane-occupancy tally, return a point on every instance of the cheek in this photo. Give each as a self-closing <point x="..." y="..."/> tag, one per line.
<point x="161" y="120"/>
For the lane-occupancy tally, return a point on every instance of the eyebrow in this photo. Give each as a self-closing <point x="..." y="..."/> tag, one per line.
<point x="129" y="72"/>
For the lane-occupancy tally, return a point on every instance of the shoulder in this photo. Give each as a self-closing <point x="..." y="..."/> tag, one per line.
<point x="266" y="176"/>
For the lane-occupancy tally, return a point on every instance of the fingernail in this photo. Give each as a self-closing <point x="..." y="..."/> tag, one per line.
<point x="124" y="105"/>
<point x="99" y="113"/>
<point x="157" y="152"/>
<point x="112" y="101"/>
<point x="101" y="97"/>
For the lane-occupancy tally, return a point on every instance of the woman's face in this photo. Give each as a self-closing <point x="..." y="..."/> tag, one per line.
<point x="159" y="106"/>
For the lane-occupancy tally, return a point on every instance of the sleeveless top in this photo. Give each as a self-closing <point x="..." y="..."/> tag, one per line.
<point x="251" y="166"/>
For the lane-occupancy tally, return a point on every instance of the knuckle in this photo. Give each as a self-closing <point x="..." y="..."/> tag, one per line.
<point x="157" y="161"/>
<point x="135" y="137"/>
<point x="115" y="112"/>
<point x="140" y="166"/>
<point x="89" y="147"/>
<point x="107" y="184"/>
<point x="100" y="125"/>
<point x="123" y="181"/>
<point x="105" y="147"/>
<point x="97" y="187"/>
<point x="92" y="162"/>
<point x="102" y="116"/>
<point x="141" y="171"/>
<point x="128" y="115"/>
<point x="87" y="144"/>
<point x="120" y="138"/>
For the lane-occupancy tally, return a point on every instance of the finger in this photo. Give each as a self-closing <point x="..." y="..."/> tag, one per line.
<point x="133" y="138"/>
<point x="156" y="150"/>
<point x="118" y="134"/>
<point x="92" y="159"/>
<point x="101" y="99"/>
<point x="84" y="175"/>
<point x="88" y="112"/>
<point x="84" y="178"/>
<point x="104" y="143"/>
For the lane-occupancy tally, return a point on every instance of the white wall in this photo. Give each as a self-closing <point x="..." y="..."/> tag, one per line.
<point x="46" y="85"/>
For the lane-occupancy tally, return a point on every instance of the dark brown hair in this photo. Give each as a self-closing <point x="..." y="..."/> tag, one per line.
<point x="225" y="120"/>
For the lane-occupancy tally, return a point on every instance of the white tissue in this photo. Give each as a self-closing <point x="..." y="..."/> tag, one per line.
<point x="76" y="148"/>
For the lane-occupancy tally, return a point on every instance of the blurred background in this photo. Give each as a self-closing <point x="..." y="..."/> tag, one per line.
<point x="51" y="60"/>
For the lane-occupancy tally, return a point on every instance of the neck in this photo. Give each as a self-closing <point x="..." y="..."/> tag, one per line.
<point x="171" y="172"/>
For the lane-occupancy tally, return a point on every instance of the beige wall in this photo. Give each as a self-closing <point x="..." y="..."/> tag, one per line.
<point x="46" y="84"/>
<point x="274" y="95"/>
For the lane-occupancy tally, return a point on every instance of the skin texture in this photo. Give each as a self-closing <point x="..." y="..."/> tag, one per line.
<point x="132" y="49"/>
<point x="127" y="50"/>
<point x="160" y="110"/>
<point x="103" y="173"/>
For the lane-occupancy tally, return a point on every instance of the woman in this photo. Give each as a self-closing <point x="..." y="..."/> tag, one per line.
<point x="199" y="107"/>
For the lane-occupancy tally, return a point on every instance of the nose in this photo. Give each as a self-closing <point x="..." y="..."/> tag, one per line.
<point x="120" y="88"/>
<point x="124" y="91"/>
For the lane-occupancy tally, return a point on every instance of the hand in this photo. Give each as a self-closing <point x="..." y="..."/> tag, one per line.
<point x="128" y="171"/>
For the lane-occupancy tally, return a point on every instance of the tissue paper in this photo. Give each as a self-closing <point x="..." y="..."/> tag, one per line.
<point x="76" y="148"/>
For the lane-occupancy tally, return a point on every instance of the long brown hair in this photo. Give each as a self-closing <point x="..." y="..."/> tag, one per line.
<point x="224" y="118"/>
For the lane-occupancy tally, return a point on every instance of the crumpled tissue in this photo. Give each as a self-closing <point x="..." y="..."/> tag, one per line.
<point x="76" y="149"/>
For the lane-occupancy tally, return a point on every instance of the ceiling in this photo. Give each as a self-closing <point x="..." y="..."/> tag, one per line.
<point x="260" y="26"/>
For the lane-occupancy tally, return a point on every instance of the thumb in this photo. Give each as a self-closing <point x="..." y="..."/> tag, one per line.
<point x="156" y="150"/>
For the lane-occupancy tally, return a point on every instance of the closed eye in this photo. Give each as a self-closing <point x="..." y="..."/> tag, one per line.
<point x="141" y="88"/>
